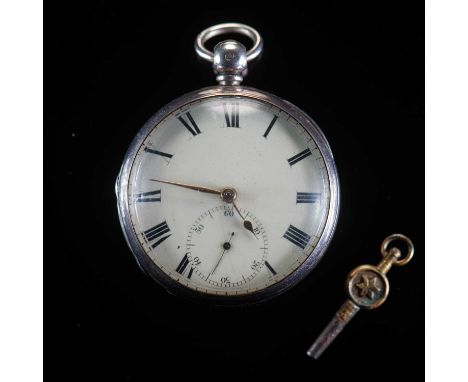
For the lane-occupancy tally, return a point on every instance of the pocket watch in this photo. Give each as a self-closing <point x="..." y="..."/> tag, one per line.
<point x="228" y="194"/>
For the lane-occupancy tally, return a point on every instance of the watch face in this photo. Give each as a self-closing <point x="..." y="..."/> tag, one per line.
<point x="228" y="195"/>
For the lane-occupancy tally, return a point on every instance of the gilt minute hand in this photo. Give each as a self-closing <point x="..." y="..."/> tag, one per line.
<point x="228" y="195"/>
<point x="190" y="186"/>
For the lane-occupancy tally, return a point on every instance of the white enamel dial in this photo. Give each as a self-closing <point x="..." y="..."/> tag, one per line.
<point x="202" y="241"/>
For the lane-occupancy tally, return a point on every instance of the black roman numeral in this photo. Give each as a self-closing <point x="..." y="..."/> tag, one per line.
<point x="307" y="197"/>
<point x="148" y="150"/>
<point x="158" y="232"/>
<point x="270" y="268"/>
<point x="296" y="158"/>
<point x="151" y="196"/>
<point x="296" y="236"/>
<point x="232" y="119"/>
<point x="191" y="125"/>
<point x="183" y="265"/>
<point x="270" y="126"/>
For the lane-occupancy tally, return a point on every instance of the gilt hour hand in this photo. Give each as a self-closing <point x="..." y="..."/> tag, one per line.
<point x="247" y="223"/>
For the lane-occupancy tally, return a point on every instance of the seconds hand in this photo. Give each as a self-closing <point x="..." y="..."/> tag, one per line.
<point x="226" y="246"/>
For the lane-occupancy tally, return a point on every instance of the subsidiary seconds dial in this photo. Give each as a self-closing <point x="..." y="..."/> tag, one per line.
<point x="222" y="252"/>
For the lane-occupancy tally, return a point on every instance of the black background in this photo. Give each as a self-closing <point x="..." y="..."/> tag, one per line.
<point x="356" y="68"/>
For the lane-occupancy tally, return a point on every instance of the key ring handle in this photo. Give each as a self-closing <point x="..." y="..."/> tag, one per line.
<point x="410" y="248"/>
<point x="220" y="29"/>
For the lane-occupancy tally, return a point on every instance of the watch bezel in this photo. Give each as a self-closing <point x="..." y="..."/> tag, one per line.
<point x="171" y="285"/>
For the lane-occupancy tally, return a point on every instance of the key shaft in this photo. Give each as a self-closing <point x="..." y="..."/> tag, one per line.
<point x="347" y="311"/>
